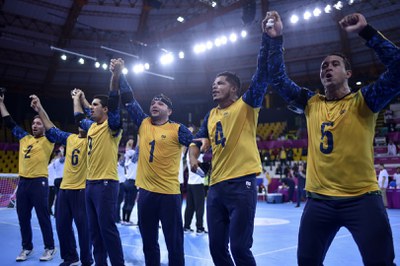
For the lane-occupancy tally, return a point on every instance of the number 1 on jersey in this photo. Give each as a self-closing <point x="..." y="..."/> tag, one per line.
<point x="219" y="135"/>
<point x="152" y="144"/>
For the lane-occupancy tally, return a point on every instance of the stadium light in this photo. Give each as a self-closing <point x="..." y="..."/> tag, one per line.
<point x="294" y="19"/>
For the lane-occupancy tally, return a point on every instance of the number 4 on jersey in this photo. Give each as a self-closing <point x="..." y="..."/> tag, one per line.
<point x="219" y="135"/>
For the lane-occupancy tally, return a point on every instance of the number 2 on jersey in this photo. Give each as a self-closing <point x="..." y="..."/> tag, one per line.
<point x="28" y="150"/>
<point x="219" y="135"/>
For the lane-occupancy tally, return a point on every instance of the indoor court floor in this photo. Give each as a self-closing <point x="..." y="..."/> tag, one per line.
<point x="275" y="240"/>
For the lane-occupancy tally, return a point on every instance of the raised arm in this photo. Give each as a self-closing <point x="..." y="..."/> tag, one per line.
<point x="293" y="94"/>
<point x="119" y="81"/>
<point x="378" y="94"/>
<point x="17" y="131"/>
<point x="37" y="106"/>
<point x="255" y="93"/>
<point x="53" y="134"/>
<point x="79" y="115"/>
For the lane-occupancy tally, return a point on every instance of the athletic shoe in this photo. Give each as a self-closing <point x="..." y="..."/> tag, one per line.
<point x="23" y="256"/>
<point x="200" y="232"/>
<point x="129" y="223"/>
<point x="70" y="263"/>
<point x="48" y="254"/>
<point x="188" y="230"/>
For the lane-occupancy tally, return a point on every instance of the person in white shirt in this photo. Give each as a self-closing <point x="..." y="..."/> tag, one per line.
<point x="392" y="148"/>
<point x="195" y="199"/>
<point x="396" y="177"/>
<point x="383" y="181"/>
<point x="121" y="192"/>
<point x="51" y="177"/>
<point x="131" y="164"/>
<point x="58" y="165"/>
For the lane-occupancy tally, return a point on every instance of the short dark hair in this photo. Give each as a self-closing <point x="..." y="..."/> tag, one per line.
<point x="103" y="99"/>
<point x="36" y="116"/>
<point x="346" y="61"/>
<point x="232" y="78"/>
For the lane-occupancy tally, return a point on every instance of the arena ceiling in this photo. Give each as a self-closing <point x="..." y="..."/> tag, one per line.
<point x="142" y="30"/>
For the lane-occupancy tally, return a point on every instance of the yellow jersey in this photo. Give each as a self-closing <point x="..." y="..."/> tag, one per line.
<point x="159" y="157"/>
<point x="340" y="151"/>
<point x="232" y="133"/>
<point x="75" y="169"/>
<point x="34" y="156"/>
<point x="102" y="152"/>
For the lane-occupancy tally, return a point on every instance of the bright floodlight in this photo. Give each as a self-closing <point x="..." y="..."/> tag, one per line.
<point x="358" y="83"/>
<point x="233" y="37"/>
<point x="97" y="65"/>
<point x="317" y="12"/>
<point x="104" y="65"/>
<point x="138" y="68"/>
<point x="166" y="59"/>
<point x="214" y="4"/>
<point x="81" y="61"/>
<point x="224" y="40"/>
<point x="180" y="19"/>
<point x="146" y="66"/>
<point x="351" y="2"/>
<point x="217" y="42"/>
<point x="209" y="45"/>
<point x="181" y="54"/>
<point x="338" y="5"/>
<point x="294" y="19"/>
<point x="307" y="15"/>
<point x="199" y="48"/>
<point x="63" y="57"/>
<point x="328" y="9"/>
<point x="124" y="71"/>
<point x="243" y="33"/>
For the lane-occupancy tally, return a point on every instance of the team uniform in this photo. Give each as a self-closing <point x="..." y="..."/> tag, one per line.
<point x="232" y="197"/>
<point x="157" y="179"/>
<point x="341" y="181"/>
<point x="102" y="185"/>
<point x="71" y="204"/>
<point x="33" y="190"/>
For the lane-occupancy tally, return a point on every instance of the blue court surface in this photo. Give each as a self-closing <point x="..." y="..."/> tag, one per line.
<point x="275" y="240"/>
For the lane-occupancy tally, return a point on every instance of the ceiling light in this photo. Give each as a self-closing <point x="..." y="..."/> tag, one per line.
<point x="307" y="15"/>
<point x="180" y="19"/>
<point x="181" y="55"/>
<point x="233" y="37"/>
<point x="138" y="68"/>
<point x="146" y="66"/>
<point x="97" y="65"/>
<point x="338" y="5"/>
<point x="243" y="33"/>
<point x="328" y="9"/>
<point x="104" y="66"/>
<point x="294" y="19"/>
<point x="63" y="57"/>
<point x="317" y="12"/>
<point x="81" y="61"/>
<point x="124" y="71"/>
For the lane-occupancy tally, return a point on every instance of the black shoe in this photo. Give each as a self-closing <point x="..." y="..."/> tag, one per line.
<point x="200" y="232"/>
<point x="188" y="230"/>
